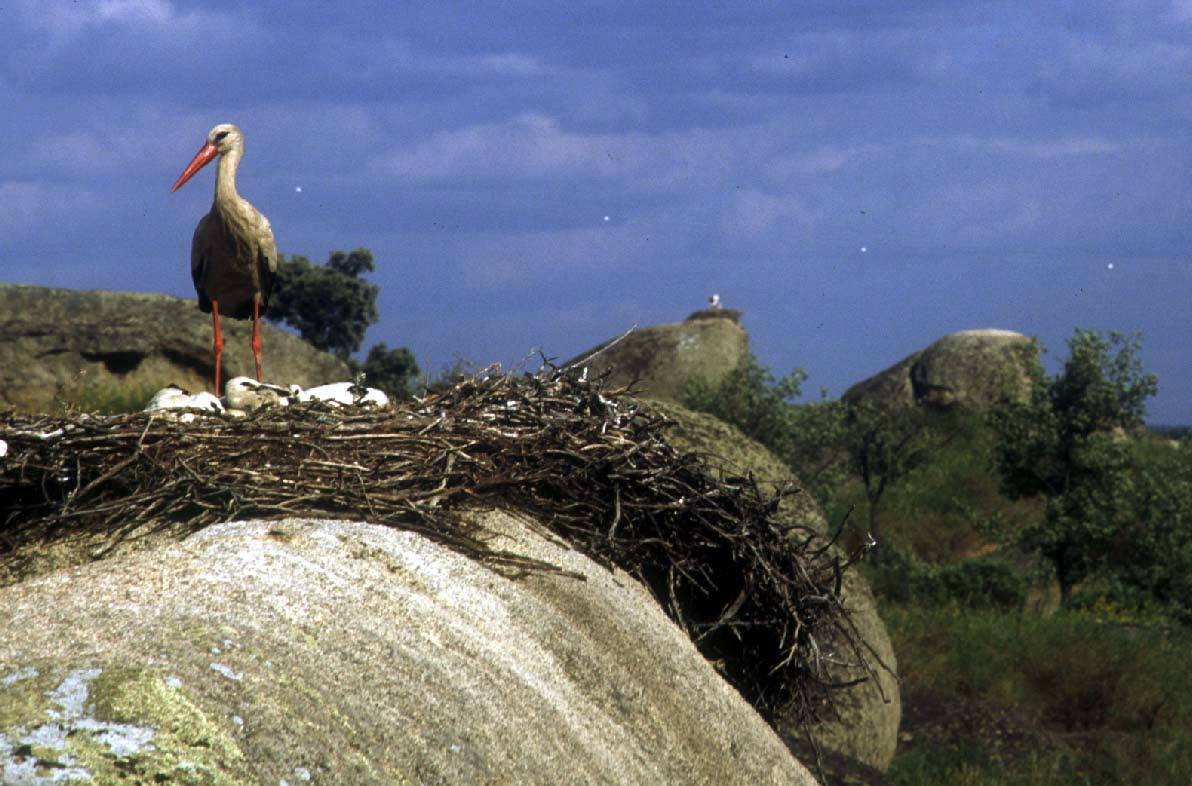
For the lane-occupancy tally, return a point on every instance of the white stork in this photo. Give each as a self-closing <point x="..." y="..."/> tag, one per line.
<point x="233" y="257"/>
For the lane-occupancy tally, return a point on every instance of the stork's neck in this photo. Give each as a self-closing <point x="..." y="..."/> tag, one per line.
<point x="225" y="177"/>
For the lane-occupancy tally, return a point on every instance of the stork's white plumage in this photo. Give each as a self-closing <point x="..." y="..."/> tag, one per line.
<point x="233" y="257"/>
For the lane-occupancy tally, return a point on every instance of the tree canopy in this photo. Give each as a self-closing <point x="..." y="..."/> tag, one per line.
<point x="329" y="305"/>
<point x="391" y="370"/>
<point x="883" y="449"/>
<point x="332" y="307"/>
<point x="1067" y="444"/>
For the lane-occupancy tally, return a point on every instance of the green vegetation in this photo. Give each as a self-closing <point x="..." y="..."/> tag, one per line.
<point x="329" y="305"/>
<point x="950" y="507"/>
<point x="104" y="398"/>
<point x="883" y="450"/>
<point x="977" y="525"/>
<point x="806" y="436"/>
<point x="901" y="578"/>
<point x="332" y="307"/>
<point x="1100" y="703"/>
<point x="1148" y="570"/>
<point x="1068" y="445"/>
<point x="391" y="370"/>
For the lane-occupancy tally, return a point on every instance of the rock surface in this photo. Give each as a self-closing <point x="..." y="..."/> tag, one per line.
<point x="664" y="358"/>
<point x="972" y="368"/>
<point x="863" y="724"/>
<point x="53" y="341"/>
<point x="325" y="652"/>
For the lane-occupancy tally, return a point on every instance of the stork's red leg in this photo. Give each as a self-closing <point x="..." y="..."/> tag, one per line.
<point x="256" y="334"/>
<point x="218" y="344"/>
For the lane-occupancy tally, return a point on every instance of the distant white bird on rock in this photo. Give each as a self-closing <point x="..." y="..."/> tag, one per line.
<point x="714" y="301"/>
<point x="233" y="257"/>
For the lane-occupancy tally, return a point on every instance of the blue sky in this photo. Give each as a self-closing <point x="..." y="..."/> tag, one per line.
<point x="860" y="178"/>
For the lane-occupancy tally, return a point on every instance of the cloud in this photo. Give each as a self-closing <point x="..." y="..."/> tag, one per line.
<point x="820" y="161"/>
<point x="535" y="146"/>
<point x="530" y="145"/>
<point x="1089" y="70"/>
<point x="134" y="11"/>
<point x="65" y="21"/>
<point x="752" y="214"/>
<point x="403" y="57"/>
<point x="1061" y="147"/>
<point x="127" y="46"/>
<point x="29" y="209"/>
<point x="848" y="60"/>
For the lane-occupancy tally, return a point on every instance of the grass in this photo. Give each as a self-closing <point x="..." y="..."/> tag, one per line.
<point x="1120" y="695"/>
<point x="970" y="767"/>
<point x="104" y="398"/>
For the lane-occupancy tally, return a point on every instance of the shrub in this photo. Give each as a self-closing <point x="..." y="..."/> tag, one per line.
<point x="898" y="577"/>
<point x="391" y="370"/>
<point x="982" y="583"/>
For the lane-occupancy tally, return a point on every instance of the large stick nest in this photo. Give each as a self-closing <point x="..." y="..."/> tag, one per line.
<point x="756" y="597"/>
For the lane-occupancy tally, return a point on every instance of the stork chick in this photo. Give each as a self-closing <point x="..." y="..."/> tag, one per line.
<point x="233" y="257"/>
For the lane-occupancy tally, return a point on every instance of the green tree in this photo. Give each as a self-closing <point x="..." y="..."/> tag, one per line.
<point x="751" y="399"/>
<point x="883" y="448"/>
<point x="806" y="437"/>
<point x="1067" y="444"/>
<point x="391" y="370"/>
<point x="1153" y="554"/>
<point x="329" y="305"/>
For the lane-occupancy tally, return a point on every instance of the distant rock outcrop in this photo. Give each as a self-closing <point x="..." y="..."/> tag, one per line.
<point x="663" y="359"/>
<point x="55" y="340"/>
<point x="972" y="369"/>
<point x="346" y="653"/>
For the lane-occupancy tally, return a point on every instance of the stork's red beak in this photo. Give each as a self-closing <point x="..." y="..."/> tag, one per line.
<point x="201" y="159"/>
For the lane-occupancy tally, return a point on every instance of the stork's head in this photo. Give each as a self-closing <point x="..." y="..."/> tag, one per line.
<point x="222" y="139"/>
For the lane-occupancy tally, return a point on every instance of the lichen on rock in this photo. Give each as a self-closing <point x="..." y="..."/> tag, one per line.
<point x="108" y="725"/>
